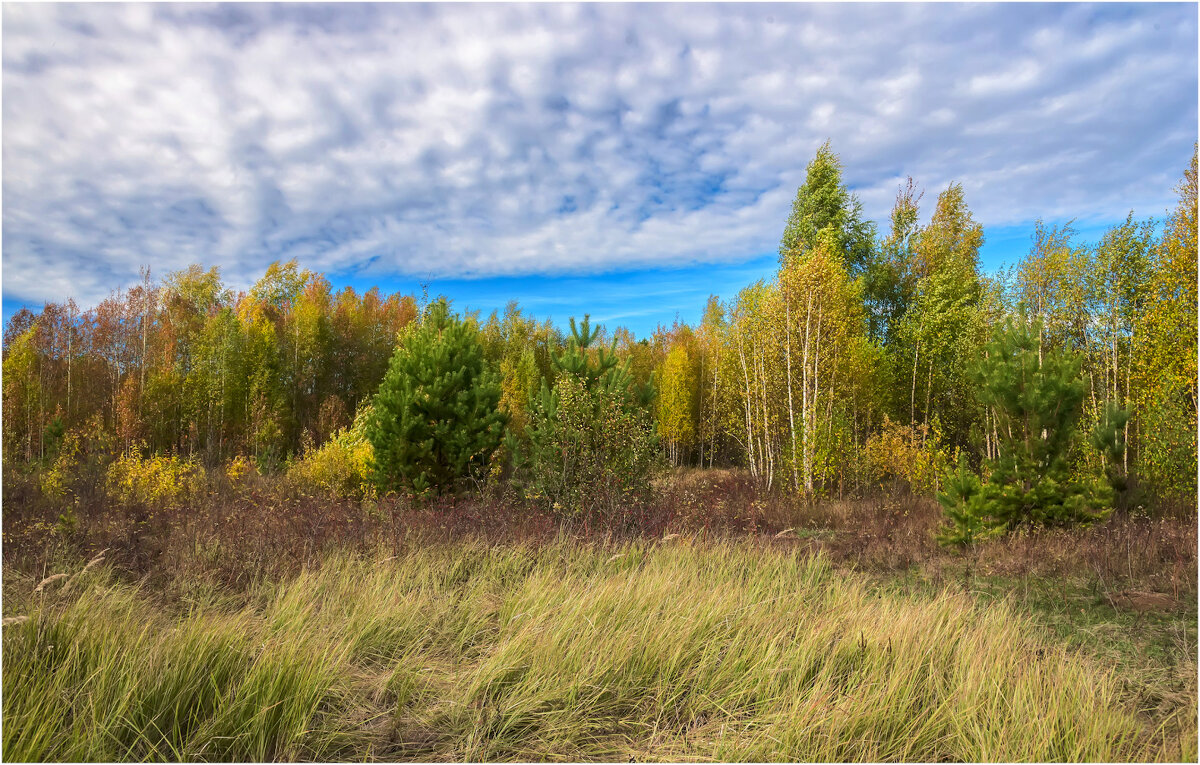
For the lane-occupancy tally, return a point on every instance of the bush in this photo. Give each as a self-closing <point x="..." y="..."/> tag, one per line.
<point x="79" y="463"/>
<point x="168" y="481"/>
<point x="436" y="417"/>
<point x="592" y="444"/>
<point x="239" y="471"/>
<point x="341" y="468"/>
<point x="904" y="455"/>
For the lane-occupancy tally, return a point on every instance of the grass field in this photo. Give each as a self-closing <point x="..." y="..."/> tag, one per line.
<point x="681" y="648"/>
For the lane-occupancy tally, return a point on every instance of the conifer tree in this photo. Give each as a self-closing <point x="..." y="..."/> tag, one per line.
<point x="959" y="499"/>
<point x="1037" y="396"/>
<point x="824" y="202"/>
<point x="436" y="416"/>
<point x="1108" y="439"/>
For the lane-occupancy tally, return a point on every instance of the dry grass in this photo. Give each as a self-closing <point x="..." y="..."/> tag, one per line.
<point x="484" y="628"/>
<point x="262" y="529"/>
<point x="688" y="649"/>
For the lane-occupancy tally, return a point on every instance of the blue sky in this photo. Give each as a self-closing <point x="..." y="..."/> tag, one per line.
<point x="623" y="160"/>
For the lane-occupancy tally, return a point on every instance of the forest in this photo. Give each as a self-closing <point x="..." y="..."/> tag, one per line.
<point x="854" y="368"/>
<point x="930" y="461"/>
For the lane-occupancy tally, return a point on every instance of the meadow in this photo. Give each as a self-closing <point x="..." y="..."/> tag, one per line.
<point x="947" y="514"/>
<point x="732" y="624"/>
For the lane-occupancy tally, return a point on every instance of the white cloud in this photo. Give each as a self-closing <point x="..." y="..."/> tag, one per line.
<point x="1015" y="78"/>
<point x="486" y="140"/>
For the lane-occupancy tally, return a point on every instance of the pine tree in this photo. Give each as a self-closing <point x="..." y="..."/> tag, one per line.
<point x="1037" y="396"/>
<point x="436" y="416"/>
<point x="1108" y="439"/>
<point x="960" y="501"/>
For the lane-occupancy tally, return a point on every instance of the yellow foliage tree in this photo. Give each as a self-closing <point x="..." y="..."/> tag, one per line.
<point x="678" y="399"/>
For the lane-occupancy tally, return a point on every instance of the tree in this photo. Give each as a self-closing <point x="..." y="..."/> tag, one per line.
<point x="183" y="367"/>
<point x="22" y="396"/>
<point x="960" y="499"/>
<point x="823" y="321"/>
<point x="1117" y="290"/>
<point x="592" y="443"/>
<point x="1037" y="396"/>
<point x="940" y="329"/>
<point x="823" y="202"/>
<point x="709" y="338"/>
<point x="436" y="416"/>
<point x="1165" y="382"/>
<point x="266" y="397"/>
<point x="1045" y="280"/>
<point x="519" y="383"/>
<point x="757" y="354"/>
<point x="891" y="280"/>
<point x="678" y="410"/>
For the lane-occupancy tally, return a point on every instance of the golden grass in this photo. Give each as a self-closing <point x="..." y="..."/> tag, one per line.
<point x="668" y="650"/>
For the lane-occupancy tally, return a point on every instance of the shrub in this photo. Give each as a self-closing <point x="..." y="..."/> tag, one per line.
<point x="592" y="444"/>
<point x="78" y="465"/>
<point x="341" y="468"/>
<point x="1036" y="394"/>
<point x="904" y="455"/>
<point x="158" y="481"/>
<point x="435" y="419"/>
<point x="239" y="470"/>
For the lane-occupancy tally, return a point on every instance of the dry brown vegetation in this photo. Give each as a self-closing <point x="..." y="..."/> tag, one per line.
<point x="261" y="528"/>
<point x="1119" y="596"/>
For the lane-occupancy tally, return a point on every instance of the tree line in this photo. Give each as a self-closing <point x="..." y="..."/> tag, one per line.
<point x="859" y="361"/>
<point x="864" y="363"/>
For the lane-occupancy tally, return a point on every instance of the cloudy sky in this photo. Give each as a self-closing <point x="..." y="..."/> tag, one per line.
<point x="626" y="160"/>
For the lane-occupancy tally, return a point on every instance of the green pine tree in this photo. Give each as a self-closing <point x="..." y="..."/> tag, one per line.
<point x="960" y="501"/>
<point x="1108" y="439"/>
<point x="824" y="202"/>
<point x="436" y="416"/>
<point x="1037" y="395"/>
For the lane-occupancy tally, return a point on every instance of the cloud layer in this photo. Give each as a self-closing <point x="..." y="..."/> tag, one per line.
<point x="492" y="140"/>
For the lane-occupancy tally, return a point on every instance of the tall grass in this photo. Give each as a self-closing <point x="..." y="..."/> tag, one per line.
<point x="727" y="651"/>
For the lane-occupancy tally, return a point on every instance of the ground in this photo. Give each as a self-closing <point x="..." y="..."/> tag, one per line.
<point x="726" y="624"/>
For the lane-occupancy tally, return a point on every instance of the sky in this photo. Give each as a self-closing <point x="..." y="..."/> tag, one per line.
<point x="623" y="160"/>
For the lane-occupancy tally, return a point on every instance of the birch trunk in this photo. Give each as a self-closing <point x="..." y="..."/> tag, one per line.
<point x="811" y="421"/>
<point x="805" y="384"/>
<point x="787" y="329"/>
<point x="749" y="419"/>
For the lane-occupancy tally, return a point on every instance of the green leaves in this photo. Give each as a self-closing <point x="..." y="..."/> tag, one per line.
<point x="592" y="443"/>
<point x="824" y="204"/>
